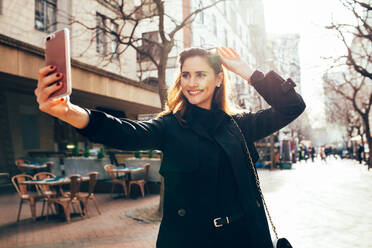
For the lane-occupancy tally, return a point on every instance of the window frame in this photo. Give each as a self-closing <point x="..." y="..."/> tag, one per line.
<point x="114" y="43"/>
<point x="101" y="40"/>
<point x="43" y="15"/>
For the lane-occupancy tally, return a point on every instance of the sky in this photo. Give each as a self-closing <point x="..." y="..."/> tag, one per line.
<point x="308" y="18"/>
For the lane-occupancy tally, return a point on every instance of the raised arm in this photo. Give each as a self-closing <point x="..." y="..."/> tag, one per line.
<point x="286" y="106"/>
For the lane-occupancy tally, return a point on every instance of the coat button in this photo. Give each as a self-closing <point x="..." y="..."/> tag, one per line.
<point x="181" y="212"/>
<point x="258" y="203"/>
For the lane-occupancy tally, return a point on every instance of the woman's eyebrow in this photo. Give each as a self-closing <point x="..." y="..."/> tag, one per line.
<point x="195" y="72"/>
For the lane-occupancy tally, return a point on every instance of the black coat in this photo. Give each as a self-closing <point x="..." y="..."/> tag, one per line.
<point x="189" y="188"/>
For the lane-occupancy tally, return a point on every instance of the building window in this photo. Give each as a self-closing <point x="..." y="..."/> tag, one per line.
<point x="149" y="48"/>
<point x="114" y="44"/>
<point x="214" y="25"/>
<point x="224" y="9"/>
<point x="101" y="34"/>
<point x="201" y="14"/>
<point x="46" y="15"/>
<point x="202" y="41"/>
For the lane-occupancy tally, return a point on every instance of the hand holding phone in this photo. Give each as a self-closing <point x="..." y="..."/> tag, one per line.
<point x="54" y="81"/>
<point x="57" y="53"/>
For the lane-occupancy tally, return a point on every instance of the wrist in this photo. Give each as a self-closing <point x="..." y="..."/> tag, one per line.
<point x="246" y="74"/>
<point x="77" y="116"/>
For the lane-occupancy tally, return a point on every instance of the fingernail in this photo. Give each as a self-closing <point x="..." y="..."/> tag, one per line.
<point x="52" y="67"/>
<point x="61" y="99"/>
<point x="58" y="84"/>
<point x="58" y="74"/>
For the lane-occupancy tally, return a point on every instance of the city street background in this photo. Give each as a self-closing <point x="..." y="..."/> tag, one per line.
<point x="324" y="205"/>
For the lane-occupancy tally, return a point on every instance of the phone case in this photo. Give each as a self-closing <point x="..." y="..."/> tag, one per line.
<point x="57" y="53"/>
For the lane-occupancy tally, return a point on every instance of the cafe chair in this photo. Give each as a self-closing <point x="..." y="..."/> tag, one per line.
<point x="44" y="190"/>
<point x="86" y="196"/>
<point x="68" y="201"/>
<point x="142" y="182"/>
<point x="19" y="163"/>
<point x="25" y="195"/>
<point x="109" y="168"/>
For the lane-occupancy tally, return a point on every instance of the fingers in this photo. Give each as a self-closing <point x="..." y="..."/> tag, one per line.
<point x="50" y="79"/>
<point x="46" y="70"/>
<point x="43" y="94"/>
<point x="234" y="52"/>
<point x="228" y="53"/>
<point x="222" y="52"/>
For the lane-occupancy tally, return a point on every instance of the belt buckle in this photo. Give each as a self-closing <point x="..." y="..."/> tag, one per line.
<point x="219" y="218"/>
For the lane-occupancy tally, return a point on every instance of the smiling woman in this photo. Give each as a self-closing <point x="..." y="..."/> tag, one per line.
<point x="210" y="193"/>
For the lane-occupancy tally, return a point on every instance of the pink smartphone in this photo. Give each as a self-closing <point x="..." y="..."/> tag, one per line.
<point x="57" y="53"/>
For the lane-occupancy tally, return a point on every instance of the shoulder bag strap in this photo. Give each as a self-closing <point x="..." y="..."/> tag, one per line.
<point x="257" y="180"/>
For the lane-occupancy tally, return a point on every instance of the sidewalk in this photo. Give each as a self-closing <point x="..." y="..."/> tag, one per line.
<point x="313" y="205"/>
<point x="110" y="229"/>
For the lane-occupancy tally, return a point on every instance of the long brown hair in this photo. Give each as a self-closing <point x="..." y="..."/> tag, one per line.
<point x="177" y="102"/>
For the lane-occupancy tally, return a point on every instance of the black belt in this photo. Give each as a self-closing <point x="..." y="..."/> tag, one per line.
<point x="221" y="221"/>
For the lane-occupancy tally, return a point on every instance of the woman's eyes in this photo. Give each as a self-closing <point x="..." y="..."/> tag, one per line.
<point x="200" y="75"/>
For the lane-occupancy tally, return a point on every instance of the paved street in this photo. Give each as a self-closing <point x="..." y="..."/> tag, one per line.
<point x="322" y="205"/>
<point x="313" y="205"/>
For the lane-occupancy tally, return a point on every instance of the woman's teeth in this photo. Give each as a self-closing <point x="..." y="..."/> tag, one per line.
<point x="194" y="92"/>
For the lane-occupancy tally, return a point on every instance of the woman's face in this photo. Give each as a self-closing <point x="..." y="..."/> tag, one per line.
<point x="198" y="81"/>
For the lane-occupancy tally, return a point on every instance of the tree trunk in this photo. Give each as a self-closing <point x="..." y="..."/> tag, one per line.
<point x="163" y="94"/>
<point x="369" y="139"/>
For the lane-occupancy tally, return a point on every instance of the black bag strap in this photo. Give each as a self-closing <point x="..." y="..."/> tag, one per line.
<point x="257" y="179"/>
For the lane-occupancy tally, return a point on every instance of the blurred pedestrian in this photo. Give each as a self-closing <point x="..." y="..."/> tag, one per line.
<point x="322" y="154"/>
<point x="312" y="153"/>
<point x="359" y="153"/>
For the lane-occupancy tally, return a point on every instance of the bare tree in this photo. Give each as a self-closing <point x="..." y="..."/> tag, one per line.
<point x="358" y="59"/>
<point x="353" y="89"/>
<point x="152" y="49"/>
<point x="355" y="86"/>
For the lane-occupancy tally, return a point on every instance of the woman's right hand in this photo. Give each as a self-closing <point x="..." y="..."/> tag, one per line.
<point x="45" y="87"/>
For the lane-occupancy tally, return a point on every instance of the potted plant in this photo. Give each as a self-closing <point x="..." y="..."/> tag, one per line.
<point x="137" y="154"/>
<point x="101" y="153"/>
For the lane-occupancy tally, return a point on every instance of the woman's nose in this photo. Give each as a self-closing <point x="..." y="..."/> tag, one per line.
<point x="193" y="81"/>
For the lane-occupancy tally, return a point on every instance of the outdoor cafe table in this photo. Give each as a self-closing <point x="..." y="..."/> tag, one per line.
<point x="120" y="171"/>
<point x="34" y="167"/>
<point x="57" y="181"/>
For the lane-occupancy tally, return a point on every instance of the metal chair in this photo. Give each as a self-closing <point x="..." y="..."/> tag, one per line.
<point x="115" y="180"/>
<point x="25" y="195"/>
<point x="86" y="196"/>
<point x="142" y="183"/>
<point x="45" y="190"/>
<point x="70" y="200"/>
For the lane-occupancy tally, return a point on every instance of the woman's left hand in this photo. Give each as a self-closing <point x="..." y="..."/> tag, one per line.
<point x="232" y="61"/>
